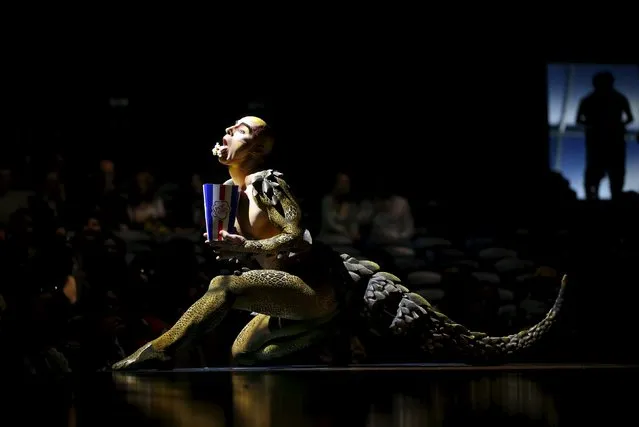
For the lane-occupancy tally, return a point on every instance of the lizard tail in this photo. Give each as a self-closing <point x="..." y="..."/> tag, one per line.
<point x="437" y="333"/>
<point x="391" y="309"/>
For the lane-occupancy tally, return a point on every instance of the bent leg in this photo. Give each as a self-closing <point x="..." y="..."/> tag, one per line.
<point x="270" y="292"/>
<point x="202" y="316"/>
<point x="265" y="339"/>
<point x="280" y="294"/>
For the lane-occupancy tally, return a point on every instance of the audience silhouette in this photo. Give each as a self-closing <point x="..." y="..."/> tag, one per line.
<point x="605" y="112"/>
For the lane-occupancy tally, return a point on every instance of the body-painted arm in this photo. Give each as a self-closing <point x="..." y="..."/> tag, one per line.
<point x="275" y="198"/>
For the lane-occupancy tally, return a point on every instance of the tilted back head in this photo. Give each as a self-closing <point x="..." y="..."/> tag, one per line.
<point x="249" y="139"/>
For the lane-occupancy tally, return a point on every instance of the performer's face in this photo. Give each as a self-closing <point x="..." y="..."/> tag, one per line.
<point x="241" y="139"/>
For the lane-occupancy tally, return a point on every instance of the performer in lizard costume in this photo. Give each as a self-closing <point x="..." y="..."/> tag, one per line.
<point x="304" y="293"/>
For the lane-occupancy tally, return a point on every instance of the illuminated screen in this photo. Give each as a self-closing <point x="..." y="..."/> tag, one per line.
<point x="568" y="84"/>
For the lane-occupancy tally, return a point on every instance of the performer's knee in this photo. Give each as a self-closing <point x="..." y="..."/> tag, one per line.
<point x="221" y="283"/>
<point x="240" y="353"/>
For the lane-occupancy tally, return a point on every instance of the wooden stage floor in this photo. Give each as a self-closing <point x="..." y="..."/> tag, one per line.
<point x="376" y="396"/>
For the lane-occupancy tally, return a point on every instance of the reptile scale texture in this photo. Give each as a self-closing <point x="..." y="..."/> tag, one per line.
<point x="309" y="301"/>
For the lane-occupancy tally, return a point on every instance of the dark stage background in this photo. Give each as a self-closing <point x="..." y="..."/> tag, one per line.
<point x="453" y="123"/>
<point x="474" y="133"/>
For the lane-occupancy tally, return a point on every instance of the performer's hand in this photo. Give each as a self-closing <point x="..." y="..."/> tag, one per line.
<point x="227" y="240"/>
<point x="235" y="239"/>
<point x="224" y="247"/>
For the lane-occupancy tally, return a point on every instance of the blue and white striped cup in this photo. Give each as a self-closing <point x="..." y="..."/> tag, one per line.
<point x="220" y="208"/>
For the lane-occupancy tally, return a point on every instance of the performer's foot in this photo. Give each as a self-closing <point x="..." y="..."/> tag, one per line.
<point x="143" y="354"/>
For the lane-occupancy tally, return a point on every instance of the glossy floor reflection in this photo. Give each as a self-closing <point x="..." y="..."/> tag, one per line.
<point x="402" y="398"/>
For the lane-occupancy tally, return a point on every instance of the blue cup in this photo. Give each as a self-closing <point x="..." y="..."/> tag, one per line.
<point x="221" y="202"/>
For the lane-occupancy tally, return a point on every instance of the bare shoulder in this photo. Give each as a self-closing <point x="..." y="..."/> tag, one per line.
<point x="272" y="193"/>
<point x="269" y="185"/>
<point x="268" y="175"/>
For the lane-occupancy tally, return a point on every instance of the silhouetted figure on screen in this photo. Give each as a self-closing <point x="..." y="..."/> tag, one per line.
<point x="605" y="112"/>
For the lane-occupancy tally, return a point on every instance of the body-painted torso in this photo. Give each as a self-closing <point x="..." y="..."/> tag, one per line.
<point x="252" y="222"/>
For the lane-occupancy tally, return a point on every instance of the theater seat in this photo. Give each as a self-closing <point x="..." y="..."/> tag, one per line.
<point x="505" y="295"/>
<point x="433" y="295"/>
<point x="423" y="279"/>
<point x="430" y="243"/>
<point x="452" y="254"/>
<point x="497" y="253"/>
<point x="465" y="263"/>
<point x="512" y="265"/>
<point x="486" y="277"/>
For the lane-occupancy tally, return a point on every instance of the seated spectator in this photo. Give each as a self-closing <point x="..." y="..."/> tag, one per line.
<point x="185" y="207"/>
<point x="339" y="226"/>
<point x="391" y="221"/>
<point x="145" y="209"/>
<point x="48" y="207"/>
<point x="109" y="201"/>
<point x="11" y="199"/>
